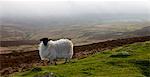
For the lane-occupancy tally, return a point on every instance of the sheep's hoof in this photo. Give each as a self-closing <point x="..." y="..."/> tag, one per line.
<point x="55" y="63"/>
<point x="65" y="62"/>
<point x="72" y="62"/>
<point x="49" y="64"/>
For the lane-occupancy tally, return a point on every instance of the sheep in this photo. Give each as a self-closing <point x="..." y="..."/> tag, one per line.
<point x="53" y="50"/>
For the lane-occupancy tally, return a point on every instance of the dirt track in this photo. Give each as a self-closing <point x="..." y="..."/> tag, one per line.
<point x="18" y="42"/>
<point x="13" y="62"/>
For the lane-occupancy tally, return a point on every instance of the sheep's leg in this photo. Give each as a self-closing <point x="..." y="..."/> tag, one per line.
<point x="45" y="62"/>
<point x="55" y="61"/>
<point x="66" y="59"/>
<point x="50" y="61"/>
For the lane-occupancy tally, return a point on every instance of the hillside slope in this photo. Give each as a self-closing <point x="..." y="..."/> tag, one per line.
<point x="79" y="34"/>
<point x="127" y="61"/>
<point x="11" y="32"/>
<point x="141" y="32"/>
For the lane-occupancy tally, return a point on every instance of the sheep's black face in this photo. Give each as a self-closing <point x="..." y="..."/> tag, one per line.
<point x="45" y="41"/>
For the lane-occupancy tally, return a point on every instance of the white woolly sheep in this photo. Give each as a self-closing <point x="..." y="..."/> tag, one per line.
<point x="53" y="50"/>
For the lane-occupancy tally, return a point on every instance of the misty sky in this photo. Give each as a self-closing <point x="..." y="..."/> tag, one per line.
<point x="68" y="8"/>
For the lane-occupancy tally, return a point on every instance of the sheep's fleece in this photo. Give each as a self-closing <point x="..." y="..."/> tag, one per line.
<point x="60" y="49"/>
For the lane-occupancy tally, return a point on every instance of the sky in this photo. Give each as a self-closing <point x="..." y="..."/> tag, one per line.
<point x="71" y="7"/>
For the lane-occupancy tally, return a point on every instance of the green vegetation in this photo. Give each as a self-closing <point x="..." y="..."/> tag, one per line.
<point x="129" y="61"/>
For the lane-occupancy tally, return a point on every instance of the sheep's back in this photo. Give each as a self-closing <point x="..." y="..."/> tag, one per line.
<point x="63" y="48"/>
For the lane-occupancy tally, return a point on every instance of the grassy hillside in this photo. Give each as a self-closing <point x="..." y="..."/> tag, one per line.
<point x="126" y="61"/>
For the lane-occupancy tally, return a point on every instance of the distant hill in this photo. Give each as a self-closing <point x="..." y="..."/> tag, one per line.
<point x="79" y="34"/>
<point x="11" y="32"/>
<point x="142" y="32"/>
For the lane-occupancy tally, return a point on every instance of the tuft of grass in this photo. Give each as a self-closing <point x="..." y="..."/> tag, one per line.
<point x="102" y="65"/>
<point x="144" y="66"/>
<point x="36" y="69"/>
<point x="46" y="74"/>
<point x="122" y="54"/>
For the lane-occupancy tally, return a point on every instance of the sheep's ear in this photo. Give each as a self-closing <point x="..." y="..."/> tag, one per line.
<point x="49" y="39"/>
<point x="41" y="39"/>
<point x="69" y="38"/>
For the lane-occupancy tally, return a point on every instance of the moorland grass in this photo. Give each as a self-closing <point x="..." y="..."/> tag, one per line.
<point x="131" y="60"/>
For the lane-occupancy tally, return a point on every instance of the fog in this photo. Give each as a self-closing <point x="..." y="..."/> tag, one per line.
<point x="14" y="11"/>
